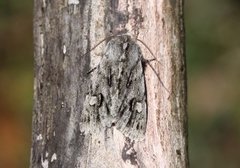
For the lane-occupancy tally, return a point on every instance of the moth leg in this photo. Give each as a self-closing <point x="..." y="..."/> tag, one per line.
<point x="159" y="79"/>
<point x="91" y="70"/>
<point x="146" y="60"/>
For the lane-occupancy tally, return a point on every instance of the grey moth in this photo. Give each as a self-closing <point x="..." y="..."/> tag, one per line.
<point x="117" y="95"/>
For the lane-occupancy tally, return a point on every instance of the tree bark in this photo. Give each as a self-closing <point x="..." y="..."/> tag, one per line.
<point x="64" y="31"/>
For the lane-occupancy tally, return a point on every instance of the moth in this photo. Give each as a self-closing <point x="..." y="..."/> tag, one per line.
<point x="117" y="94"/>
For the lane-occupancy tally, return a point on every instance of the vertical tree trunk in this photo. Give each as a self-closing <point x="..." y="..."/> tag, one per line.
<point x="64" y="31"/>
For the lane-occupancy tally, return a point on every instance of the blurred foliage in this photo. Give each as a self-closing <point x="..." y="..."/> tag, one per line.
<point x="213" y="57"/>
<point x="16" y="82"/>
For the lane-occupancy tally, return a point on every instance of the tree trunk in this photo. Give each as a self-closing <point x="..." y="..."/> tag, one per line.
<point x="64" y="33"/>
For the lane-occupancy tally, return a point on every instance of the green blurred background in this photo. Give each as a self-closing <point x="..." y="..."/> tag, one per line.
<point x="213" y="57"/>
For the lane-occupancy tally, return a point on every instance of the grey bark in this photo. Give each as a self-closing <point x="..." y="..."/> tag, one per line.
<point x="64" y="31"/>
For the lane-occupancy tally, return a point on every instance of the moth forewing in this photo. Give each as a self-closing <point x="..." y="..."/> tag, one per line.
<point x="120" y="82"/>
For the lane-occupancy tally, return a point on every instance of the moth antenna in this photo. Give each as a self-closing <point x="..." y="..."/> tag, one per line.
<point x="145" y="45"/>
<point x="100" y="42"/>
<point x="155" y="58"/>
<point x="158" y="77"/>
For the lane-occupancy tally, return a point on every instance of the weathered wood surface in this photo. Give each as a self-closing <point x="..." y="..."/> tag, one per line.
<point x="66" y="29"/>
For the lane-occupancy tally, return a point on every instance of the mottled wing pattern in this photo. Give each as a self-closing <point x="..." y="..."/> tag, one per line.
<point x="118" y="94"/>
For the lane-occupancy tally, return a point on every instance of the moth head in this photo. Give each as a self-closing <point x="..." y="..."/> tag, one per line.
<point x="113" y="50"/>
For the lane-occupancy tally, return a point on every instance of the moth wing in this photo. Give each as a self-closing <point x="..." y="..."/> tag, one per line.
<point x="133" y="113"/>
<point x="90" y="117"/>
